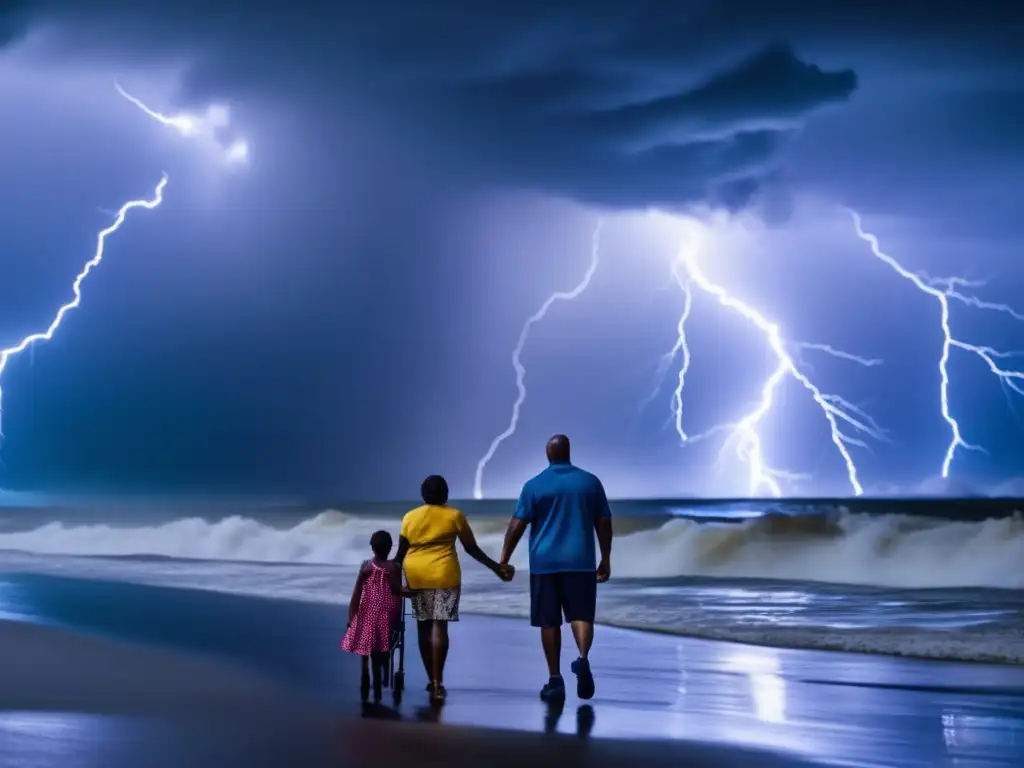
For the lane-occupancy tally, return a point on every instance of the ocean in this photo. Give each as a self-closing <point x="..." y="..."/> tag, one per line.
<point x="937" y="579"/>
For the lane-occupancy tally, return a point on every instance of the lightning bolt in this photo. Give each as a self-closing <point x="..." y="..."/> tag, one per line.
<point x="943" y="290"/>
<point x="679" y="349"/>
<point x="524" y="334"/>
<point x="7" y="354"/>
<point x="743" y="434"/>
<point x="215" y="119"/>
<point x="186" y="125"/>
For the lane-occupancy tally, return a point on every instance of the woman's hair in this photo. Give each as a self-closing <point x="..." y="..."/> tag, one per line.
<point x="434" y="491"/>
<point x="380" y="543"/>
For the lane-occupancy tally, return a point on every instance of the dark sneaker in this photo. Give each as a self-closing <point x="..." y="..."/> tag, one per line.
<point x="554" y="690"/>
<point x="584" y="679"/>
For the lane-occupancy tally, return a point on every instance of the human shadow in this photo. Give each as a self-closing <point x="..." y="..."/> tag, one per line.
<point x="430" y="713"/>
<point x="378" y="711"/>
<point x="585" y="718"/>
<point x="552" y="715"/>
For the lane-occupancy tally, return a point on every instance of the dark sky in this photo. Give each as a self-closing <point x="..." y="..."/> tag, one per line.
<point x="337" y="317"/>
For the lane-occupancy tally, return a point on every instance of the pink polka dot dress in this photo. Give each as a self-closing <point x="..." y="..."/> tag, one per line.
<point x="370" y="630"/>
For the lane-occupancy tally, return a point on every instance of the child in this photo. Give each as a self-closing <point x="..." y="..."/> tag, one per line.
<point x="373" y="613"/>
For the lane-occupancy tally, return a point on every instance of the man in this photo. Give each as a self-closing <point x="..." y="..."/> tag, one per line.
<point x="564" y="506"/>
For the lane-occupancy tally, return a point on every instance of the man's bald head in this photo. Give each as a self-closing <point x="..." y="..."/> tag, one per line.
<point x="558" y="449"/>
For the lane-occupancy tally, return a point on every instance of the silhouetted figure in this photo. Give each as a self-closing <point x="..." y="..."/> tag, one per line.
<point x="563" y="506"/>
<point x="373" y="613"/>
<point x="426" y="549"/>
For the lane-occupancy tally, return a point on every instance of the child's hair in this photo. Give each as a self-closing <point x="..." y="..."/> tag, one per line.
<point x="435" y="491"/>
<point x="380" y="543"/>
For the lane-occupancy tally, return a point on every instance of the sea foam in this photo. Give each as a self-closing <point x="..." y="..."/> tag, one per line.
<point x="883" y="550"/>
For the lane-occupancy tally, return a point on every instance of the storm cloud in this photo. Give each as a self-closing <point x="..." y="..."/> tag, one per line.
<point x="363" y="244"/>
<point x="526" y="96"/>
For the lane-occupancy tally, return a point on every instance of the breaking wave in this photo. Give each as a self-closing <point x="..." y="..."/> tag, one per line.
<point x="885" y="550"/>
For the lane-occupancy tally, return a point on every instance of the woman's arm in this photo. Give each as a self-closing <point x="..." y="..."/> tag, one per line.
<point x="402" y="551"/>
<point x="395" y="581"/>
<point x="468" y="540"/>
<point x="357" y="593"/>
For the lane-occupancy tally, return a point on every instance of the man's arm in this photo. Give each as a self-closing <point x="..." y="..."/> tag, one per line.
<point x="521" y="518"/>
<point x="603" y="526"/>
<point x="514" y="532"/>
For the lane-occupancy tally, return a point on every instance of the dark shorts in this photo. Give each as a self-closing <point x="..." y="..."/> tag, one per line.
<point x="572" y="594"/>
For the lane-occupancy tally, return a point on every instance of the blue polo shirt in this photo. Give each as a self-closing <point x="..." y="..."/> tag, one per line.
<point x="561" y="504"/>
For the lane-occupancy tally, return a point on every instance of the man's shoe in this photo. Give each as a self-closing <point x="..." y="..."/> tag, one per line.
<point x="584" y="678"/>
<point x="554" y="690"/>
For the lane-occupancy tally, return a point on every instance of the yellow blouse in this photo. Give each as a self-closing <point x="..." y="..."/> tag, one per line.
<point x="432" y="562"/>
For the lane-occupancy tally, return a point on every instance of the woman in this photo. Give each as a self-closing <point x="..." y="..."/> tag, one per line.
<point x="426" y="550"/>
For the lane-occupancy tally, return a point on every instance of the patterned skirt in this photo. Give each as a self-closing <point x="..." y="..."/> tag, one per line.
<point x="436" y="604"/>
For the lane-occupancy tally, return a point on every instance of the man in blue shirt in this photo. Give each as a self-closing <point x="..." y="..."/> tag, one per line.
<point x="564" y="507"/>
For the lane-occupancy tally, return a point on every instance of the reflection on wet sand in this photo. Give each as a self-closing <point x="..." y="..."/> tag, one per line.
<point x="799" y="705"/>
<point x="968" y="732"/>
<point x="767" y="688"/>
<point x="433" y="713"/>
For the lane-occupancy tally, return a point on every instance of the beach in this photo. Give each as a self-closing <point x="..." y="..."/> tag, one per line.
<point x="744" y="634"/>
<point x="97" y="672"/>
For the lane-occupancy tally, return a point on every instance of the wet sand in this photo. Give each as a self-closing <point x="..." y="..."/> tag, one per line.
<point x="174" y="677"/>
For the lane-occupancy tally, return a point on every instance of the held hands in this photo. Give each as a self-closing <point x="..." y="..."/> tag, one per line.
<point x="505" y="571"/>
<point x="604" y="572"/>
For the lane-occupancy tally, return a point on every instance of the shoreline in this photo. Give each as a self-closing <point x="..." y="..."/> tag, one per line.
<point x="335" y="614"/>
<point x="824" y="647"/>
<point x="819" y="647"/>
<point x="135" y="651"/>
<point x="821" y="640"/>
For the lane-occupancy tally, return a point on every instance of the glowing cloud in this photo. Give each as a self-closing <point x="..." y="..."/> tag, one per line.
<point x="210" y="126"/>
